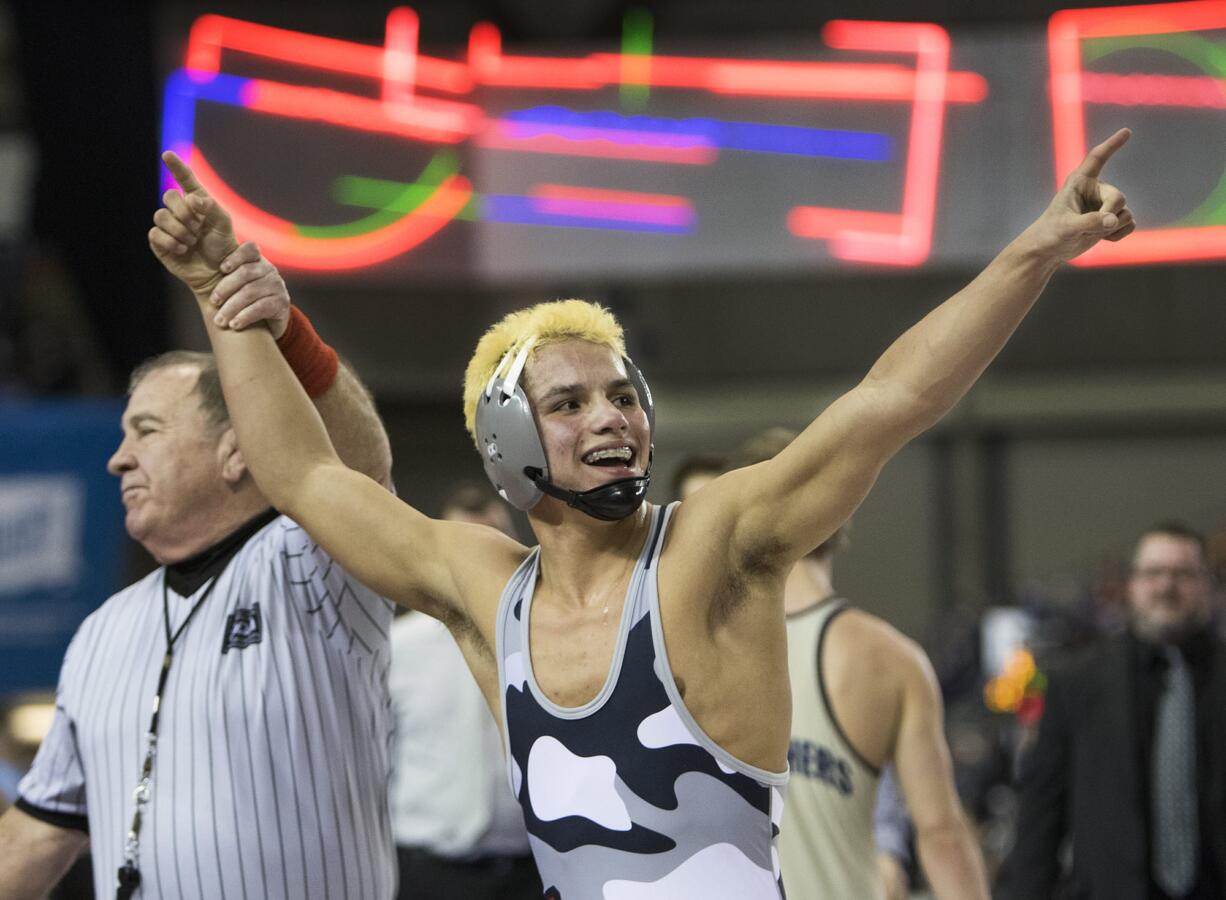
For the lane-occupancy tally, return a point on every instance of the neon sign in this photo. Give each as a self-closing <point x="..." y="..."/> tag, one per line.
<point x="448" y="105"/>
<point x="1193" y="36"/>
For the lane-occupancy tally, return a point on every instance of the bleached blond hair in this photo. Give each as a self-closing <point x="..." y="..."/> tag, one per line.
<point x="543" y="324"/>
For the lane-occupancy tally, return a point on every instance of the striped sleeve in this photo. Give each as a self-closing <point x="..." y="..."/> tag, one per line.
<point x="54" y="788"/>
<point x="348" y="613"/>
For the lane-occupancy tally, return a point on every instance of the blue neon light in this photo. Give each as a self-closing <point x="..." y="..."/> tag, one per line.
<point x="751" y="137"/>
<point x="522" y="211"/>
<point x="183" y="89"/>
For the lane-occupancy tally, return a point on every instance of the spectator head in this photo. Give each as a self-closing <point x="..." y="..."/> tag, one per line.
<point x="1170" y="587"/>
<point x="695" y="472"/>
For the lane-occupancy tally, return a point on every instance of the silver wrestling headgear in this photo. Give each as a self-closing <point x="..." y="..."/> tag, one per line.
<point x="515" y="459"/>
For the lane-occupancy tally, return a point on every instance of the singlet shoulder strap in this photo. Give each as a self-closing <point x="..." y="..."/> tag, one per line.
<point x="655" y="543"/>
<point x="828" y="611"/>
<point x="512" y="594"/>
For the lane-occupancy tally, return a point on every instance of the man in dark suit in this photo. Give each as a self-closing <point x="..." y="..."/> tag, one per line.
<point x="1130" y="758"/>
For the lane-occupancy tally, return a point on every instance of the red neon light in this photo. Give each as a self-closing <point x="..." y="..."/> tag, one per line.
<point x="1071" y="89"/>
<point x="423" y="119"/>
<point x="1154" y="90"/>
<point x="905" y="239"/>
<point x="1155" y="18"/>
<point x="823" y="223"/>
<point x="817" y="80"/>
<point x="497" y="136"/>
<point x="484" y="48"/>
<point x="602" y="195"/>
<point x="1161" y="245"/>
<point x="487" y="65"/>
<point x="211" y="34"/>
<point x="490" y="67"/>
<point x="1064" y="51"/>
<point x="284" y="246"/>
<point x="400" y="56"/>
<point x="674" y="216"/>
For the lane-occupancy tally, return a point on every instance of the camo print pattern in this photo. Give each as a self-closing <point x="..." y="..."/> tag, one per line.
<point x="625" y="798"/>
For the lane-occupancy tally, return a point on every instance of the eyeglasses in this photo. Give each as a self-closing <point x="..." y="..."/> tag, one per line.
<point x="1185" y="574"/>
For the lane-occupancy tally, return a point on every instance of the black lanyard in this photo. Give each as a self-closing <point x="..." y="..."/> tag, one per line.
<point x="129" y="873"/>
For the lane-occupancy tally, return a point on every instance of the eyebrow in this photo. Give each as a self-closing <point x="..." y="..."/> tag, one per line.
<point x="138" y="419"/>
<point x="560" y="391"/>
<point x="567" y="390"/>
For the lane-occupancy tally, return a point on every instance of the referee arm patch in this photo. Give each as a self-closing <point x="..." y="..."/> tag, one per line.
<point x="58" y="819"/>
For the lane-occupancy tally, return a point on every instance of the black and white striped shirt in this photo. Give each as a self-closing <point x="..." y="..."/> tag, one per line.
<point x="272" y="763"/>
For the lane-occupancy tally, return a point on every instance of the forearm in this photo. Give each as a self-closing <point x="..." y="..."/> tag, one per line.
<point x="952" y="861"/>
<point x="933" y="364"/>
<point x="279" y="430"/>
<point x="33" y="855"/>
<point x="944" y="839"/>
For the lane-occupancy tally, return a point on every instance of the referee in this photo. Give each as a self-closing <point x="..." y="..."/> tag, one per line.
<point x="222" y="725"/>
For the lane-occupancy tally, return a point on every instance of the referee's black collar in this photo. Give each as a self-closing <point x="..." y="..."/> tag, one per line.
<point x="186" y="577"/>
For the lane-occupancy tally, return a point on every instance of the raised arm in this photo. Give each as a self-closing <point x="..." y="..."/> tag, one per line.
<point x="946" y="845"/>
<point x="34" y="855"/>
<point x="385" y="543"/>
<point x="250" y="291"/>
<point x="779" y="510"/>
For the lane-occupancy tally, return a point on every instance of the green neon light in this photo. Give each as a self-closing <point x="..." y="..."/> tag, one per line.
<point x="636" y="41"/>
<point x="1211" y="212"/>
<point x="1207" y="56"/>
<point x="390" y="200"/>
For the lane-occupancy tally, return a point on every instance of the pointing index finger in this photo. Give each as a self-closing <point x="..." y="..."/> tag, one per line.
<point x="183" y="174"/>
<point x="1092" y="165"/>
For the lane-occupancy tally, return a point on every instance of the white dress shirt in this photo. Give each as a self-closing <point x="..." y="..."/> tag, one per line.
<point x="449" y="793"/>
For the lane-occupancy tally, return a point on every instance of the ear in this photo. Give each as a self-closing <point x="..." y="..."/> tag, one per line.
<point x="230" y="458"/>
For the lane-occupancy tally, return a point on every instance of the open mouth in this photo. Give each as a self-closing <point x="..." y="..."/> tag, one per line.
<point x="610" y="457"/>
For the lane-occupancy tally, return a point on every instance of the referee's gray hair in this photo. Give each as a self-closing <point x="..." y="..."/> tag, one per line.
<point x="208" y="385"/>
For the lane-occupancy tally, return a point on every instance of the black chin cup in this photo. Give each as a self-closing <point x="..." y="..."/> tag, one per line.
<point x="610" y="502"/>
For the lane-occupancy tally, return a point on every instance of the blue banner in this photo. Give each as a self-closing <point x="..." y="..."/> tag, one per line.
<point x="62" y="538"/>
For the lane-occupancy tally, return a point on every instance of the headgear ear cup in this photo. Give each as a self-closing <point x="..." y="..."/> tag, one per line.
<point x="514" y="457"/>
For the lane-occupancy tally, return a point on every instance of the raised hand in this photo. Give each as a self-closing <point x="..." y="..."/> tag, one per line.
<point x="191" y="234"/>
<point x="251" y="290"/>
<point x="1087" y="209"/>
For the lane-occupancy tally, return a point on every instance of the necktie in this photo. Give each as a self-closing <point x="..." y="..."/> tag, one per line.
<point x="1174" y="819"/>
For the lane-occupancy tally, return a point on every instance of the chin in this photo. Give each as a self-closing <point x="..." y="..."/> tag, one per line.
<point x="138" y="527"/>
<point x="135" y="528"/>
<point x="1172" y="630"/>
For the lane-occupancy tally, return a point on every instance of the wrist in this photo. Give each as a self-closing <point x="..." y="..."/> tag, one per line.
<point x="279" y="327"/>
<point x="1030" y="251"/>
<point x="312" y="361"/>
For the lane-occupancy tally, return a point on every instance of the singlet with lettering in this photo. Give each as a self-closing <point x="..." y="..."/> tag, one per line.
<point x="625" y="796"/>
<point x="827" y="843"/>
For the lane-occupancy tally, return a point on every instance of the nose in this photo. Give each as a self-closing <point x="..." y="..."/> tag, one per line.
<point x="610" y="418"/>
<point x="121" y="460"/>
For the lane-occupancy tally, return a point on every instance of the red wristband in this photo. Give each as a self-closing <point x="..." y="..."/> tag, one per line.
<point x="313" y="361"/>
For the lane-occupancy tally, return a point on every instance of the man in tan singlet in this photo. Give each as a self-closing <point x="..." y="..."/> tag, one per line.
<point x="863" y="696"/>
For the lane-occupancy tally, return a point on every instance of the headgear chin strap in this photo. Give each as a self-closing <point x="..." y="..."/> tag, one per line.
<point x="515" y="459"/>
<point x="610" y="502"/>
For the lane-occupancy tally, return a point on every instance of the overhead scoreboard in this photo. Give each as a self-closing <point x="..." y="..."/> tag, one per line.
<point x="830" y="150"/>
